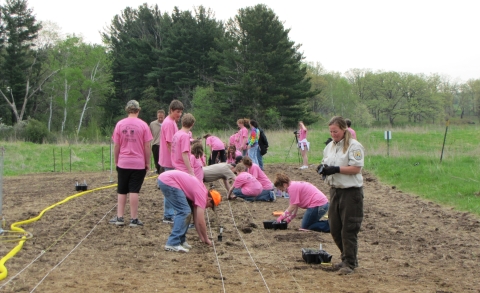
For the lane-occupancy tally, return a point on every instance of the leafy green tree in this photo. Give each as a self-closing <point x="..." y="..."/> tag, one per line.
<point x="262" y="68"/>
<point x="21" y="72"/>
<point x="134" y="39"/>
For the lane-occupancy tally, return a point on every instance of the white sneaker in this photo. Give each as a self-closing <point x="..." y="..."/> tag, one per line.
<point x="178" y="248"/>
<point x="186" y="245"/>
<point x="303" y="167"/>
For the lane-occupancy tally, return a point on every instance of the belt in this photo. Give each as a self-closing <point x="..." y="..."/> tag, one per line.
<point x="333" y="187"/>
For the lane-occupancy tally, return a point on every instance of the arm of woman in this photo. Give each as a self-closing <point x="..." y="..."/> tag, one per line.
<point x="347" y="170"/>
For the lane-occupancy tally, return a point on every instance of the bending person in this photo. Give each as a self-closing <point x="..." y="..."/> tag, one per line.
<point x="256" y="172"/>
<point x="186" y="195"/>
<point x="306" y="196"/>
<point x="247" y="187"/>
<point x="218" y="171"/>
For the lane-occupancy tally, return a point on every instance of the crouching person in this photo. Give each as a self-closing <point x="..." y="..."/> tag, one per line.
<point x="186" y="195"/>
<point x="306" y="196"/>
<point x="248" y="187"/>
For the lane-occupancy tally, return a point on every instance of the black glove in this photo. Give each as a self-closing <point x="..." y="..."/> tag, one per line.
<point x="330" y="170"/>
<point x="320" y="168"/>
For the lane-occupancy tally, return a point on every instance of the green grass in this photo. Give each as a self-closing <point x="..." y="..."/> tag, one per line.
<point x="412" y="165"/>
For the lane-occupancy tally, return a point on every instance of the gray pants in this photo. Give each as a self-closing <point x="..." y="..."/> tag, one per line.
<point x="345" y="216"/>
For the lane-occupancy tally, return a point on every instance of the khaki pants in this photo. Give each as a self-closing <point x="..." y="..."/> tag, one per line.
<point x="345" y="216"/>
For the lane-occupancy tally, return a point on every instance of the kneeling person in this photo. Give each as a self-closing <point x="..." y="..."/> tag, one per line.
<point x="248" y="187"/>
<point x="186" y="195"/>
<point x="306" y="196"/>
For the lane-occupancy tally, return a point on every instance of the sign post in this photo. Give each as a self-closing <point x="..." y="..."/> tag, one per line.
<point x="388" y="137"/>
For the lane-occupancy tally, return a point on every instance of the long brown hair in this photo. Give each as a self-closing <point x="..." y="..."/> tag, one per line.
<point x="342" y="124"/>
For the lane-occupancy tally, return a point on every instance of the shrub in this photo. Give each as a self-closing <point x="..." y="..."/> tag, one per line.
<point x="36" y="131"/>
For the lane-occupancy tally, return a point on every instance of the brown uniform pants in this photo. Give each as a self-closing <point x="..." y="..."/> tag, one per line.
<point x="345" y="216"/>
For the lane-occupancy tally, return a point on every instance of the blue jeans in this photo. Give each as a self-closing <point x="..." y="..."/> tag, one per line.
<point x="265" y="195"/>
<point x="312" y="217"/>
<point x="168" y="211"/>
<point x="252" y="153"/>
<point x="260" y="159"/>
<point x="177" y="199"/>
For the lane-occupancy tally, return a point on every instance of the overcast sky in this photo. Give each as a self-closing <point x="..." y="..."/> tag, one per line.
<point x="421" y="36"/>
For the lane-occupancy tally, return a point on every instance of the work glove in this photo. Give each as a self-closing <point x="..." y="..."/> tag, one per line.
<point x="286" y="217"/>
<point x="330" y="170"/>
<point x="320" y="168"/>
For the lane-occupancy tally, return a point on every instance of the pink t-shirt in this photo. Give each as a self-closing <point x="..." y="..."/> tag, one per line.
<point x="231" y="141"/>
<point x="169" y="128"/>
<point x="242" y="136"/>
<point x="197" y="166"/>
<point x="354" y="135"/>
<point x="305" y="195"/>
<point x="249" y="185"/>
<point x="232" y="160"/>
<point x="180" y="145"/>
<point x="261" y="177"/>
<point x="194" y="190"/>
<point x="216" y="143"/>
<point x="302" y="134"/>
<point x="131" y="134"/>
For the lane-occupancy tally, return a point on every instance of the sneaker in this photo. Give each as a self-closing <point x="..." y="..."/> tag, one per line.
<point x="167" y="220"/>
<point x="135" y="223"/>
<point x="286" y="195"/>
<point x="117" y="221"/>
<point x="186" y="245"/>
<point x="191" y="226"/>
<point x="178" y="248"/>
<point x="303" y="167"/>
<point x="345" y="271"/>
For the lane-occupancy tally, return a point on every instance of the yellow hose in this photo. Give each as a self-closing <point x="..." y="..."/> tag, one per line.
<point x="13" y="252"/>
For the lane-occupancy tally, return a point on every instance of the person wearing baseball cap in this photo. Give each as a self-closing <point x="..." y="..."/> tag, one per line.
<point x="188" y="197"/>
<point x="132" y="152"/>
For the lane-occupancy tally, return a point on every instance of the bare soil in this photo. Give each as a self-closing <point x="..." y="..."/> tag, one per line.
<point x="406" y="244"/>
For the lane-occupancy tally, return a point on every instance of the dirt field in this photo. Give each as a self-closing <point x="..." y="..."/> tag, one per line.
<point x="406" y="244"/>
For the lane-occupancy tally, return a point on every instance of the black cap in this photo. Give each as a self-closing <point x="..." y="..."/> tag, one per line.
<point x="238" y="159"/>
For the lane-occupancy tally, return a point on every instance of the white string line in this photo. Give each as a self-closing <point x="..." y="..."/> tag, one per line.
<point x="215" y="250"/>
<point x="68" y="254"/>
<point x="243" y="241"/>
<point x="26" y="267"/>
<point x="270" y="248"/>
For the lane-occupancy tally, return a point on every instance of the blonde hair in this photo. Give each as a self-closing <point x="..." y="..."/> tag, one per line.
<point x="280" y="179"/>
<point x="342" y="124"/>
<point x="240" y="168"/>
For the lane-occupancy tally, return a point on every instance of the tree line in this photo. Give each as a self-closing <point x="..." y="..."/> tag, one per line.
<point x="221" y="71"/>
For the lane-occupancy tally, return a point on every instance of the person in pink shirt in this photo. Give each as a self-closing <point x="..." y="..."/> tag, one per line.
<point x="196" y="160"/>
<point x="232" y="139"/>
<point x="132" y="138"/>
<point x="303" y="144"/>
<point x="306" y="196"/>
<point x="242" y="136"/>
<point x="247" y="187"/>
<point x="256" y="172"/>
<point x="232" y="153"/>
<point x="169" y="128"/>
<point x="217" y="149"/>
<point x="181" y="146"/>
<point x="186" y="195"/>
<point x="349" y="123"/>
